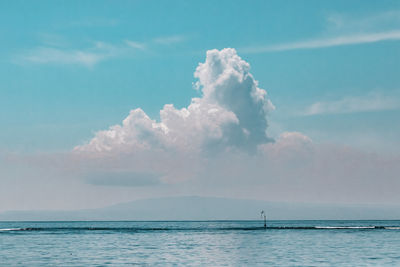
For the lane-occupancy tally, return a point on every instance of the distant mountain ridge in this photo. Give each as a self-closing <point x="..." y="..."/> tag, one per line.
<point x="211" y="208"/>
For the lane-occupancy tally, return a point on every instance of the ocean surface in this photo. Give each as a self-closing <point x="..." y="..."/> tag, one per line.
<point x="200" y="243"/>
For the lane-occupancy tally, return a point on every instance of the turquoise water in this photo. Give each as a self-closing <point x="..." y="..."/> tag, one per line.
<point x="211" y="243"/>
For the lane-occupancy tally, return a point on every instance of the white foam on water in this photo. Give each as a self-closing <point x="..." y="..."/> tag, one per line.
<point x="393" y="228"/>
<point x="345" y="227"/>
<point x="11" y="229"/>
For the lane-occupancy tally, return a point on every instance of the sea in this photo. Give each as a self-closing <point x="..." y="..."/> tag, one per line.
<point x="200" y="243"/>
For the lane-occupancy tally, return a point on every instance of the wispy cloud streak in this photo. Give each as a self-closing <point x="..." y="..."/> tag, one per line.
<point x="370" y="102"/>
<point x="327" y="42"/>
<point x="53" y="51"/>
<point x="87" y="57"/>
<point x="167" y="40"/>
<point x="48" y="55"/>
<point x="135" y="44"/>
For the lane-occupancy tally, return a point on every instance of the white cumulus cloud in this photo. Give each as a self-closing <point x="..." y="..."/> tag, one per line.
<point x="231" y="113"/>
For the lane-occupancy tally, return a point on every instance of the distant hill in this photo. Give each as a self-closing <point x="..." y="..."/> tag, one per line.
<point x="211" y="208"/>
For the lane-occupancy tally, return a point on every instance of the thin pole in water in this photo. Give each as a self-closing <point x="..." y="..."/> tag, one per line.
<point x="263" y="215"/>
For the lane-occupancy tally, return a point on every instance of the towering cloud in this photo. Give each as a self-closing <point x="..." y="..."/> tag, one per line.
<point x="231" y="113"/>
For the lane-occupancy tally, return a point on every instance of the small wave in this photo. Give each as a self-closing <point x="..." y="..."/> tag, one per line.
<point x="392" y="228"/>
<point x="347" y="227"/>
<point x="11" y="229"/>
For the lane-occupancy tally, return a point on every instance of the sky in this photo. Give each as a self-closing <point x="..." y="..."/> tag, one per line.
<point x="113" y="101"/>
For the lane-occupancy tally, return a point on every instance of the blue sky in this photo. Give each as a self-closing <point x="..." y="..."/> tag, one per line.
<point x="73" y="68"/>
